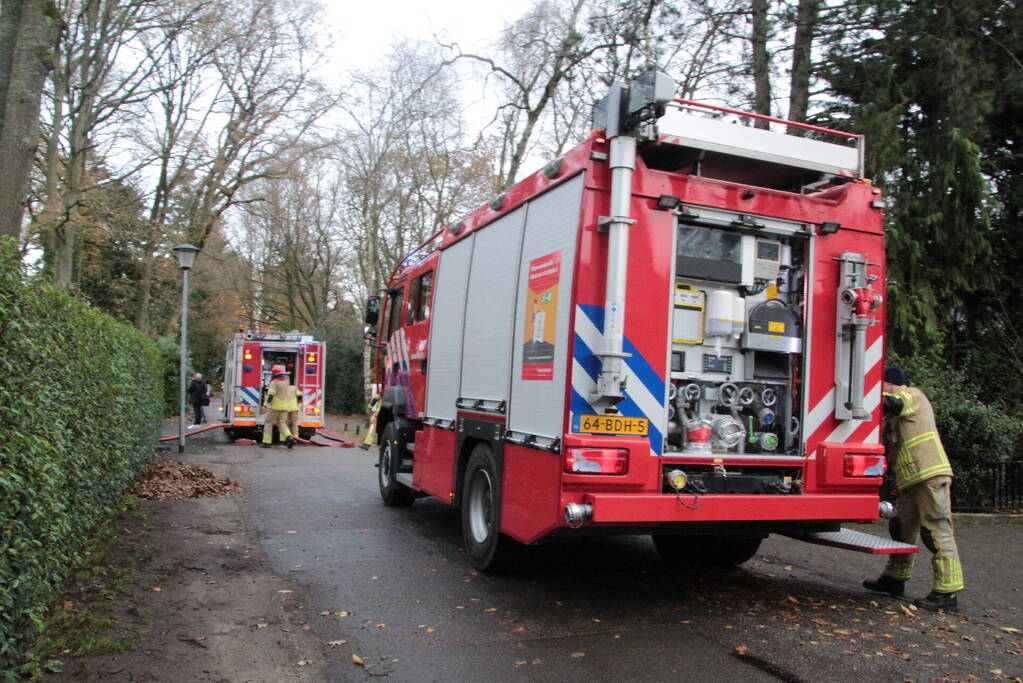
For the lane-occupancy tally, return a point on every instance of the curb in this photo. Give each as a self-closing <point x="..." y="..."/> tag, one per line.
<point x="987" y="518"/>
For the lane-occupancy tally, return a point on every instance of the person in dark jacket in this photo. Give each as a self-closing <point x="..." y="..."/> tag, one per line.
<point x="198" y="397"/>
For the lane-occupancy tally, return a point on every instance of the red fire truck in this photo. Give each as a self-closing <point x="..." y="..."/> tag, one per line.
<point x="250" y="355"/>
<point x="675" y="329"/>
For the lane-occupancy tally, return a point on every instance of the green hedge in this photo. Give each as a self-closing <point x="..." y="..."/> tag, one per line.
<point x="79" y="403"/>
<point x="973" y="432"/>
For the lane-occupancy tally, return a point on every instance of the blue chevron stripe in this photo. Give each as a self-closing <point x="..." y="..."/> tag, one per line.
<point x="628" y="408"/>
<point x="637" y="363"/>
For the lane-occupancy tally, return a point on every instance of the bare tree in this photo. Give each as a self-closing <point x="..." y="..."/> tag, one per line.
<point x="28" y="33"/>
<point x="802" y="48"/>
<point x="760" y="34"/>
<point x="406" y="166"/>
<point x="292" y="232"/>
<point x="103" y="72"/>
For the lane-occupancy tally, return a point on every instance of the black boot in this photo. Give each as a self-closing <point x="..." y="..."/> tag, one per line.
<point x="937" y="601"/>
<point x="885" y="584"/>
<point x="265" y="445"/>
<point x="290" y="441"/>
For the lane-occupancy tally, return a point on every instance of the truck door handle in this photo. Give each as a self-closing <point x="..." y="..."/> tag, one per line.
<point x="422" y="367"/>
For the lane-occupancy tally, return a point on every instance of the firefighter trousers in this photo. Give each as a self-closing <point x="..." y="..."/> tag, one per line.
<point x="926" y="509"/>
<point x="278" y="418"/>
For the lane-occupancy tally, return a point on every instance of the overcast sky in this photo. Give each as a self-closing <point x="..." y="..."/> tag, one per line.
<point x="361" y="31"/>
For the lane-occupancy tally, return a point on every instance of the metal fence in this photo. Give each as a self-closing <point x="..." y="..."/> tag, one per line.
<point x="1006" y="485"/>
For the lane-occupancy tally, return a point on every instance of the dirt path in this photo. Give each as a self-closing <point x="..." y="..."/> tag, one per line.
<point x="205" y="604"/>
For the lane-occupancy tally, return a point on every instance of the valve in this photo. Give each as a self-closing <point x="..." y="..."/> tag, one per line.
<point x="728" y="394"/>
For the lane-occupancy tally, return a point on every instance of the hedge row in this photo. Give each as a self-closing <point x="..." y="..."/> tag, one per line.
<point x="79" y="403"/>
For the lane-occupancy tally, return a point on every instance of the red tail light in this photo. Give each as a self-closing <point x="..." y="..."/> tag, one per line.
<point x="597" y="461"/>
<point x="865" y="465"/>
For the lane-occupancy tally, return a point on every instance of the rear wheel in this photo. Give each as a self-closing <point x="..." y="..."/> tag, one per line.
<point x="487" y="548"/>
<point x="712" y="551"/>
<point x="306" y="433"/>
<point x="392" y="491"/>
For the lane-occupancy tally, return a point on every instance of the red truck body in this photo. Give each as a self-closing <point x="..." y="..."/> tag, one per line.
<point x="732" y="391"/>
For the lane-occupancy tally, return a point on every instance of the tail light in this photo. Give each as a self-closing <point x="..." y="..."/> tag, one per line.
<point x="248" y="355"/>
<point x="313" y="410"/>
<point x="865" y="465"/>
<point x="597" y="461"/>
<point x="310" y="358"/>
<point x="244" y="411"/>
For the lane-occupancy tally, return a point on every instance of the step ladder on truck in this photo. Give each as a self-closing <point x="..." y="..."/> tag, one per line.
<point x="675" y="329"/>
<point x="250" y="356"/>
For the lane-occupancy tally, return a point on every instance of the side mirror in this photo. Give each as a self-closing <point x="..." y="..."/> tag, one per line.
<point x="370" y="333"/>
<point x="372" y="310"/>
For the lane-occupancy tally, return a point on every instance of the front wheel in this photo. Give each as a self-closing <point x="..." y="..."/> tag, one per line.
<point x="393" y="492"/>
<point x="712" y="551"/>
<point x="487" y="548"/>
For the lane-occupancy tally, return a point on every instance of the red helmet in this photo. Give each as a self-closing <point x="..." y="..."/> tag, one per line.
<point x="277" y="370"/>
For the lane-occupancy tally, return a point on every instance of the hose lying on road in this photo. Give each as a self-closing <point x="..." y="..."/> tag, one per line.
<point x="193" y="432"/>
<point x="325" y="433"/>
<point x="328" y="434"/>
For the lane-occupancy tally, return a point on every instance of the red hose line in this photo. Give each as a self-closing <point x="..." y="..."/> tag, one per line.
<point x="194" y="432"/>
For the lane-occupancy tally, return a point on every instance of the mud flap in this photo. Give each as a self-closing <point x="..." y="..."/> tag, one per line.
<point x="859" y="541"/>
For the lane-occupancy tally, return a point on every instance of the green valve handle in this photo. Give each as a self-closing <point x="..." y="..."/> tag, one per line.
<point x="750" y="436"/>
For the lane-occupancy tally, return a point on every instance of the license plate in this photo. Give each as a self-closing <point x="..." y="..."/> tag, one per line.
<point x="614" y="424"/>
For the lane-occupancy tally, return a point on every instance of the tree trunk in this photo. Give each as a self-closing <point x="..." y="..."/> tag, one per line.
<point x="761" y="61"/>
<point x="799" y="90"/>
<point x="28" y="34"/>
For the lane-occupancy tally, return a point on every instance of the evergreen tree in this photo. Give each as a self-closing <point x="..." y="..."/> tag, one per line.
<point x="920" y="81"/>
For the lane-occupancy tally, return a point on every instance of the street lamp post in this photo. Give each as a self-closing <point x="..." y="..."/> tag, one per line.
<point x="186" y="257"/>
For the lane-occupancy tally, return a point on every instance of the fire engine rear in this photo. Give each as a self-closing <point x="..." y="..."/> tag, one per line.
<point x="250" y="356"/>
<point x="675" y="329"/>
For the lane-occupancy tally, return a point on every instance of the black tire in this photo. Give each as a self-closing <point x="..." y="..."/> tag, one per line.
<point x="306" y="433"/>
<point x="392" y="492"/>
<point x="230" y="433"/>
<point x="487" y="548"/>
<point x="710" y="551"/>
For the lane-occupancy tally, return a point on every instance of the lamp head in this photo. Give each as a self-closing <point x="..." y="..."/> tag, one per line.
<point x="186" y="255"/>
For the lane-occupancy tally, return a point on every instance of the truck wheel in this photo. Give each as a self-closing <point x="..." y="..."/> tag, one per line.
<point x="230" y="433"/>
<point x="393" y="492"/>
<point x="306" y="433"/>
<point x="487" y="548"/>
<point x="711" y="551"/>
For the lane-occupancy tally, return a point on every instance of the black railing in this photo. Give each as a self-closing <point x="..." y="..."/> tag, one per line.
<point x="988" y="487"/>
<point x="1006" y="485"/>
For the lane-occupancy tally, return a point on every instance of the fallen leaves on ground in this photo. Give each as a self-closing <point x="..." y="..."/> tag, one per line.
<point x="173" y="480"/>
<point x="358" y="661"/>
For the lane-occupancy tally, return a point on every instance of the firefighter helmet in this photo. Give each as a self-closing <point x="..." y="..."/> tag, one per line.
<point x="277" y="370"/>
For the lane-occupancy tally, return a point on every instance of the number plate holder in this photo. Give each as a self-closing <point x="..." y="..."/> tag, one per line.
<point x="611" y="424"/>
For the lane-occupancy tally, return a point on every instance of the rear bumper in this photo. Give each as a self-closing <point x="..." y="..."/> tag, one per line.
<point x="651" y="508"/>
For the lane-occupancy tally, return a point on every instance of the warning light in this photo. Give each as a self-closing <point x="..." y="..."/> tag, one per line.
<point x="310" y="358"/>
<point x="248" y="355"/>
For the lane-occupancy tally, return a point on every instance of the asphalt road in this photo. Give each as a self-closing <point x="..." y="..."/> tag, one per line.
<point x="392" y="587"/>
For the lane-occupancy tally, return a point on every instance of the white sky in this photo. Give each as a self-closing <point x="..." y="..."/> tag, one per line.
<point x="360" y="32"/>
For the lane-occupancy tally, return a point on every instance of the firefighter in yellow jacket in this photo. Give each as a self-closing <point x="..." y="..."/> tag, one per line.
<point x="923" y="477"/>
<point x="281" y="398"/>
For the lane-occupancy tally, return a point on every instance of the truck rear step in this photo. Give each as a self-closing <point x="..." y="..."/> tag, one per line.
<point x="861" y="542"/>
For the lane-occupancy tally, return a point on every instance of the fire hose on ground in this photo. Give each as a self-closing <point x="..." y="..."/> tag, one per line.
<point x="325" y="433"/>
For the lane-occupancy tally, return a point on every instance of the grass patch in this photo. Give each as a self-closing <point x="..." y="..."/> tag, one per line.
<point x="94" y="613"/>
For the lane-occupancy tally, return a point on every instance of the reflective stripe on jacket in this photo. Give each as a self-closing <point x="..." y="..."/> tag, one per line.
<point x="912" y="444"/>
<point x="281" y="395"/>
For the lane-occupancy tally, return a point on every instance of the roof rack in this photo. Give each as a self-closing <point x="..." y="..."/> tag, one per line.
<point x="701" y="126"/>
